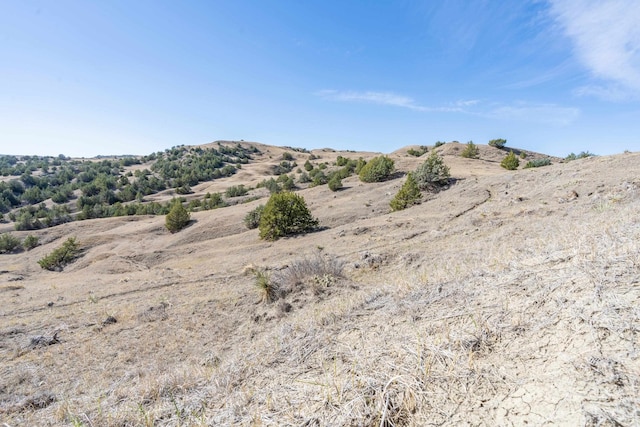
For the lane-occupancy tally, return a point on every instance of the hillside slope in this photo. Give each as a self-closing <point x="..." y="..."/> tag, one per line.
<point x="508" y="298"/>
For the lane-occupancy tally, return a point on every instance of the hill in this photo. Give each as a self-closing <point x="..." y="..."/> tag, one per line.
<point x="509" y="297"/>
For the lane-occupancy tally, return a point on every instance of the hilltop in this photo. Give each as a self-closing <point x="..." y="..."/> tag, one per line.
<point x="508" y="297"/>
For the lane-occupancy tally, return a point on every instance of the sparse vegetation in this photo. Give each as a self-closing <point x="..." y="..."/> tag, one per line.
<point x="510" y="162"/>
<point x="60" y="257"/>
<point x="498" y="143"/>
<point x="285" y="214"/>
<point x="419" y="152"/>
<point x="471" y="151"/>
<point x="408" y="195"/>
<point x="236" y="191"/>
<point x="377" y="169"/>
<point x="581" y="155"/>
<point x="177" y="218"/>
<point x="537" y="163"/>
<point x="438" y="144"/>
<point x="432" y="173"/>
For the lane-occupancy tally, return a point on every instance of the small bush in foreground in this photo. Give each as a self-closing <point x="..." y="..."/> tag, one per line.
<point x="510" y="162"/>
<point x="377" y="169"/>
<point x="537" y="163"/>
<point x="267" y="288"/>
<point x="314" y="271"/>
<point x="8" y="243"/>
<point x="177" y="218"/>
<point x="408" y="195"/>
<point x="61" y="256"/>
<point x="432" y="172"/>
<point x="285" y="214"/>
<point x="252" y="219"/>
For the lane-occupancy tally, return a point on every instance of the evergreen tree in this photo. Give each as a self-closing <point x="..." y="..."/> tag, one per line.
<point x="177" y="218"/>
<point x="408" y="195"/>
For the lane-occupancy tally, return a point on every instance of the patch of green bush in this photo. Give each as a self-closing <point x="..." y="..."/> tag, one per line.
<point x="498" y="143"/>
<point x="335" y="183"/>
<point x="510" y="162"/>
<point x="377" y="169"/>
<point x="285" y="214"/>
<point x="438" y="144"/>
<point x="581" y="155"/>
<point x="236" y="191"/>
<point x="177" y="218"/>
<point x="537" y="163"/>
<point x="432" y="173"/>
<point x="61" y="256"/>
<point x="419" y="152"/>
<point x="8" y="243"/>
<point x="408" y="195"/>
<point x="30" y="242"/>
<point x="252" y="219"/>
<point x="471" y="151"/>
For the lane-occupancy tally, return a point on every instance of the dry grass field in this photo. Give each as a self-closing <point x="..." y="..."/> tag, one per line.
<point x="510" y="298"/>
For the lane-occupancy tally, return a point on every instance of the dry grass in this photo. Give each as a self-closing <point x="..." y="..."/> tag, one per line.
<point x="499" y="302"/>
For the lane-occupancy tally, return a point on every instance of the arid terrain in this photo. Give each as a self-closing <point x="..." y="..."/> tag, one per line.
<point x="509" y="298"/>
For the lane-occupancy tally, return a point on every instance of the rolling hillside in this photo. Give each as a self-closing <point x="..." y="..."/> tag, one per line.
<point x="507" y="298"/>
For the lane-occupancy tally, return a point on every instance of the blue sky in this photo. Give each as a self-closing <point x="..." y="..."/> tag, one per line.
<point x="84" y="78"/>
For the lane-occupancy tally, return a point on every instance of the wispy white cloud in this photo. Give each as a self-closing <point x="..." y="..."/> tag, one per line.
<point x="606" y="39"/>
<point x="382" y="98"/>
<point x="547" y="114"/>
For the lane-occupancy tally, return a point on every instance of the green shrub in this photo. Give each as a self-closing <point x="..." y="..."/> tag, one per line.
<point x="341" y="161"/>
<point x="30" y="242"/>
<point x="523" y="155"/>
<point x="360" y="163"/>
<point x="285" y="214"/>
<point x="236" y="191"/>
<point x="287" y="156"/>
<point x="183" y="189"/>
<point x="177" y="218"/>
<point x="408" y="195"/>
<point x="498" y="143"/>
<point x="581" y="155"/>
<point x="308" y="166"/>
<point x="377" y="169"/>
<point x="304" y="178"/>
<point x="252" y="219"/>
<point x="537" y="163"/>
<point x="335" y="183"/>
<point x="438" y="144"/>
<point x="471" y="151"/>
<point x="432" y="172"/>
<point x="8" y="243"/>
<point x="510" y="162"/>
<point x="61" y="256"/>
<point x="419" y="152"/>
<point x="268" y="289"/>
